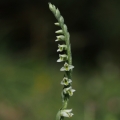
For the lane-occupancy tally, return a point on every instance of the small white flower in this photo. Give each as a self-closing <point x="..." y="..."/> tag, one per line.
<point x="66" y="81"/>
<point x="69" y="91"/>
<point x="62" y="58"/>
<point x="67" y="67"/>
<point x="66" y="113"/>
<point x="60" y="38"/>
<point x="61" y="47"/>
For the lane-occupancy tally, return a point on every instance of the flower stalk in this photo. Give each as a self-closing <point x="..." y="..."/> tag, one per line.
<point x="66" y="57"/>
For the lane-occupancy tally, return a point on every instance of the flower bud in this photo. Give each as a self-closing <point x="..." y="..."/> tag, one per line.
<point x="65" y="28"/>
<point x="57" y="24"/>
<point x="59" y="31"/>
<point x="61" y="19"/>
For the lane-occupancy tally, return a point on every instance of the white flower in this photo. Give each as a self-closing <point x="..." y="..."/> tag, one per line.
<point x="61" y="47"/>
<point x="66" y="81"/>
<point x="60" y="38"/>
<point x="69" y="91"/>
<point x="62" y="58"/>
<point x="67" y="67"/>
<point x="66" y="113"/>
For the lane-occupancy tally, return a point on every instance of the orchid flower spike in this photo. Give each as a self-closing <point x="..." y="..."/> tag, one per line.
<point x="65" y="48"/>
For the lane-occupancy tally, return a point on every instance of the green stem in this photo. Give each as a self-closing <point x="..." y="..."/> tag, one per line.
<point x="65" y="103"/>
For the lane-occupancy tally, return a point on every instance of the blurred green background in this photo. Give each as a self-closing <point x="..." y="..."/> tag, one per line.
<point x="29" y="75"/>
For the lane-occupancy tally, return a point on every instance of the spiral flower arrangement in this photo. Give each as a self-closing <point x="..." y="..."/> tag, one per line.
<point x="66" y="57"/>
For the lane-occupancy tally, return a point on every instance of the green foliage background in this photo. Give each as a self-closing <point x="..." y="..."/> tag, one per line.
<point x="29" y="75"/>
